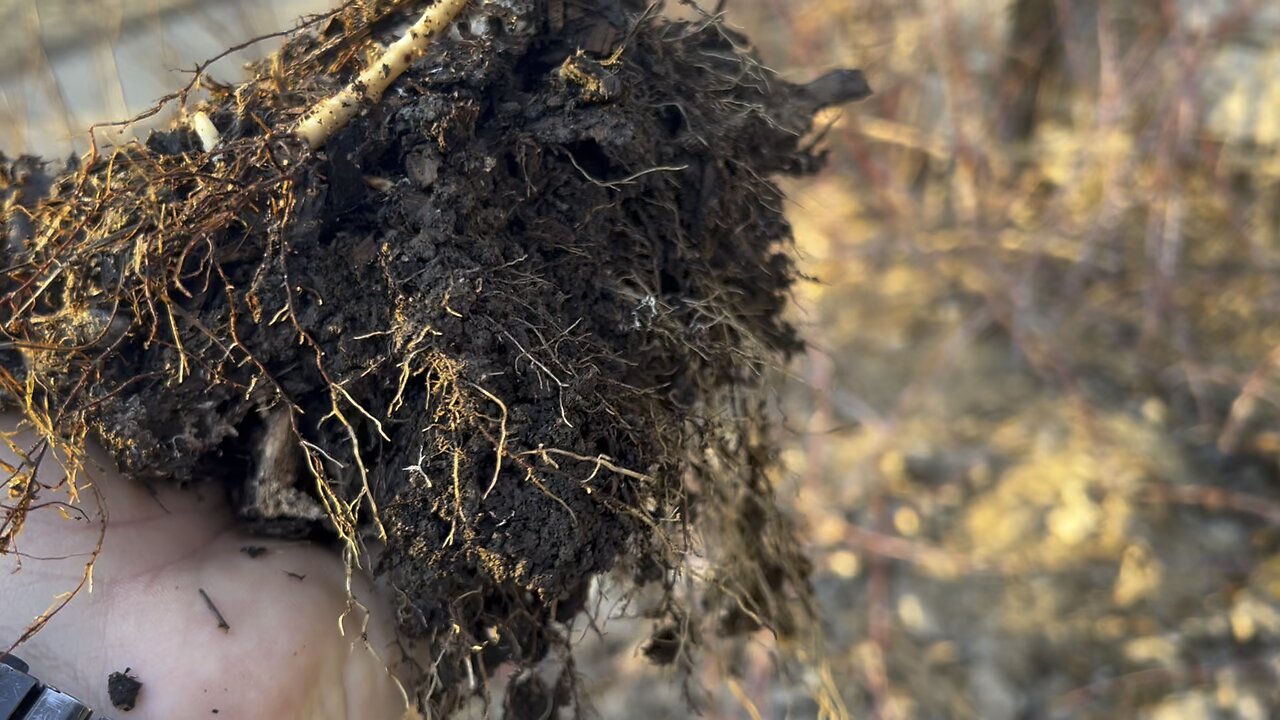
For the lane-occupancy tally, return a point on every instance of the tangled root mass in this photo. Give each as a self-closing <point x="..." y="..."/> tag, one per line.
<point x="510" y="323"/>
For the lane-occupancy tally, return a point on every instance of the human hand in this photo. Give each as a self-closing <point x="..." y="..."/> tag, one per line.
<point x="293" y="647"/>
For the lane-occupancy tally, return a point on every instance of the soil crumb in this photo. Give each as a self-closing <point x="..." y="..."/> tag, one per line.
<point x="123" y="689"/>
<point x="509" y="326"/>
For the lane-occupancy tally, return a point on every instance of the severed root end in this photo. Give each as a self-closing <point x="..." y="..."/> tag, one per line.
<point x="206" y="131"/>
<point x="332" y="114"/>
<point x="837" y="88"/>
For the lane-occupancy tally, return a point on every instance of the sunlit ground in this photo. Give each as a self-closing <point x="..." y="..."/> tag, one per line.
<point x="1034" y="443"/>
<point x="1036" y="435"/>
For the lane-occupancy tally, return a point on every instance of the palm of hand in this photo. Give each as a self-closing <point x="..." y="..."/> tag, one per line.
<point x="294" y="648"/>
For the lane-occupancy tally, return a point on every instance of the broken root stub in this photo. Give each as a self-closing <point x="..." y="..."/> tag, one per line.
<point x="511" y="320"/>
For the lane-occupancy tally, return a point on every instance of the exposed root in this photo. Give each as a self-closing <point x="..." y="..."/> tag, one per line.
<point x="333" y="114"/>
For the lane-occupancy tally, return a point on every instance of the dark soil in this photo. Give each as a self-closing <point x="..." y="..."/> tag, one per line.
<point x="510" y="323"/>
<point x="123" y="689"/>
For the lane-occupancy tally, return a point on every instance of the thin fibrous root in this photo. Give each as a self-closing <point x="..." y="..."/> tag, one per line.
<point x="332" y="114"/>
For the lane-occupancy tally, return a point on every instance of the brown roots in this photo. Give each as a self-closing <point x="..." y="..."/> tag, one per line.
<point x="510" y="324"/>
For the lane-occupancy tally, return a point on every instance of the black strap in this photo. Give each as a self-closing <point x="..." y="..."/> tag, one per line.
<point x="17" y="690"/>
<point x="23" y="697"/>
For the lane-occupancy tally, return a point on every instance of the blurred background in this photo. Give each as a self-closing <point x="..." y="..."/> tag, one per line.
<point x="1034" y="443"/>
<point x="67" y="64"/>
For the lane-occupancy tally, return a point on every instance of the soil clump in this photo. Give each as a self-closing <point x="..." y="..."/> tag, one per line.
<point x="508" y="327"/>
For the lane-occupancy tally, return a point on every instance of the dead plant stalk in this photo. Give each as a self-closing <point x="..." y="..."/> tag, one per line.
<point x="333" y="113"/>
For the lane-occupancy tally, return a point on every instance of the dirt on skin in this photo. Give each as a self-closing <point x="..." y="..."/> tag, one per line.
<point x="123" y="690"/>
<point x="507" y="326"/>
